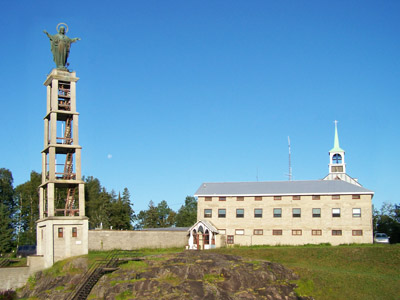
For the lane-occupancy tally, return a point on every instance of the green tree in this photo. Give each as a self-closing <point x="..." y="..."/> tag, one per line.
<point x="187" y="214"/>
<point x="121" y="212"/>
<point x="387" y="221"/>
<point x="98" y="203"/>
<point x="166" y="216"/>
<point x="7" y="209"/>
<point x="27" y="200"/>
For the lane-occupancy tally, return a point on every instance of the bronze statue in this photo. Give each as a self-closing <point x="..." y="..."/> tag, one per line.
<point x="60" y="45"/>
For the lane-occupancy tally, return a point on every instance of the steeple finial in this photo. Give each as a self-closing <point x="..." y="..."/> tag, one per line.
<point x="336" y="147"/>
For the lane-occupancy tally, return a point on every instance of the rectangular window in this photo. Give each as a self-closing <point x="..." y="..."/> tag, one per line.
<point x="356" y="212"/>
<point x="208" y="198"/>
<point x="277" y="212"/>
<point x="316" y="197"/>
<point x="316" y="232"/>
<point x="335" y="197"/>
<point x="60" y="232"/>
<point x="239" y="231"/>
<point x="296" y="212"/>
<point x="277" y="232"/>
<point x="277" y="198"/>
<point x="222" y="213"/>
<point x="357" y="233"/>
<point x="355" y="197"/>
<point x="74" y="231"/>
<point x="258" y="213"/>
<point x="336" y="212"/>
<point x="258" y="232"/>
<point x="207" y="213"/>
<point x="229" y="239"/>
<point x="239" y="198"/>
<point x="222" y="198"/>
<point x="296" y="232"/>
<point x="337" y="168"/>
<point x="258" y="198"/>
<point x="296" y="197"/>
<point x="336" y="232"/>
<point x="240" y="213"/>
<point x="316" y="213"/>
<point x="221" y="231"/>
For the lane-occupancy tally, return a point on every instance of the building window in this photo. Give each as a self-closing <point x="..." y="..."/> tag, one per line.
<point x="277" y="232"/>
<point x="258" y="232"/>
<point x="229" y="239"/>
<point x="355" y="197"/>
<point x="221" y="231"/>
<point x="239" y="231"/>
<point x="296" y="232"/>
<point x="222" y="198"/>
<point x="337" y="168"/>
<point x="240" y="213"/>
<point x="207" y="213"/>
<point x="208" y="198"/>
<point x="337" y="159"/>
<point x="296" y="197"/>
<point x="316" y="213"/>
<point x="335" y="197"/>
<point x="356" y="212"/>
<point x="357" y="233"/>
<point x="277" y="212"/>
<point x="74" y="232"/>
<point x="221" y="213"/>
<point x="316" y="197"/>
<point x="277" y="198"/>
<point x="258" y="198"/>
<point x="239" y="198"/>
<point x="336" y="232"/>
<point x="258" y="213"/>
<point x="316" y="232"/>
<point x="296" y="212"/>
<point x="60" y="232"/>
<point x="336" y="212"/>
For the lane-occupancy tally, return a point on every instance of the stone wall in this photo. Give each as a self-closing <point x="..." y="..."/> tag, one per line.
<point x="130" y="240"/>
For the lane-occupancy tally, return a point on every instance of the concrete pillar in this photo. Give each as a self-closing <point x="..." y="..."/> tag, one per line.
<point x="41" y="202"/>
<point x="75" y="126"/>
<point x="81" y="200"/>
<point x="54" y="95"/>
<point x="50" y="199"/>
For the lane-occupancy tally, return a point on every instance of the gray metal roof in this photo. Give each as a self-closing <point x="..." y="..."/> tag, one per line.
<point x="166" y="229"/>
<point x="280" y="188"/>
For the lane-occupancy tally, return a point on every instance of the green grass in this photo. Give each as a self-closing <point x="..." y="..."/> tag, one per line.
<point x="343" y="272"/>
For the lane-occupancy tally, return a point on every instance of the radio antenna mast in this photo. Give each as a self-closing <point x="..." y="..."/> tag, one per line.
<point x="290" y="161"/>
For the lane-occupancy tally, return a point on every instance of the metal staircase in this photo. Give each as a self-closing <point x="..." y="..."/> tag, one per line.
<point x="98" y="269"/>
<point x="93" y="274"/>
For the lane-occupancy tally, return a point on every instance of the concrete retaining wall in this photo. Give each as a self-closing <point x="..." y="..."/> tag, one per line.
<point x="129" y="240"/>
<point x="13" y="278"/>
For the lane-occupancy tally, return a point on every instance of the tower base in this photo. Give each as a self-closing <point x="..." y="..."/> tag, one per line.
<point x="61" y="237"/>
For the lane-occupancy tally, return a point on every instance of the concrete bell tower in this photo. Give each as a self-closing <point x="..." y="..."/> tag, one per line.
<point x="62" y="228"/>
<point x="337" y="165"/>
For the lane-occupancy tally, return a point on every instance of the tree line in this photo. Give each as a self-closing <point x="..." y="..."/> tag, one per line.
<point x="387" y="220"/>
<point x="19" y="210"/>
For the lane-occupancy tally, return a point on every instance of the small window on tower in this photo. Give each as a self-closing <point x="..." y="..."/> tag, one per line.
<point x="60" y="232"/>
<point x="74" y="232"/>
<point x="337" y="159"/>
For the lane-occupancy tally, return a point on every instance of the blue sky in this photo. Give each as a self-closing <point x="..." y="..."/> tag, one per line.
<point x="176" y="93"/>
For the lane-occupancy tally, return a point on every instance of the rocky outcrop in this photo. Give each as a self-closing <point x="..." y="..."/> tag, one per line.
<point x="185" y="275"/>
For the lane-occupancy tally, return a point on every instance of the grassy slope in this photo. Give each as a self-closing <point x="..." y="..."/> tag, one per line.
<point x="343" y="272"/>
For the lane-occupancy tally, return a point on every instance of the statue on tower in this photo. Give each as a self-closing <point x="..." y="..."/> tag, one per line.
<point x="60" y="46"/>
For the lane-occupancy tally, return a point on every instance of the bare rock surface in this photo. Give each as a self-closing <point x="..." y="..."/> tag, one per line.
<point x="187" y="275"/>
